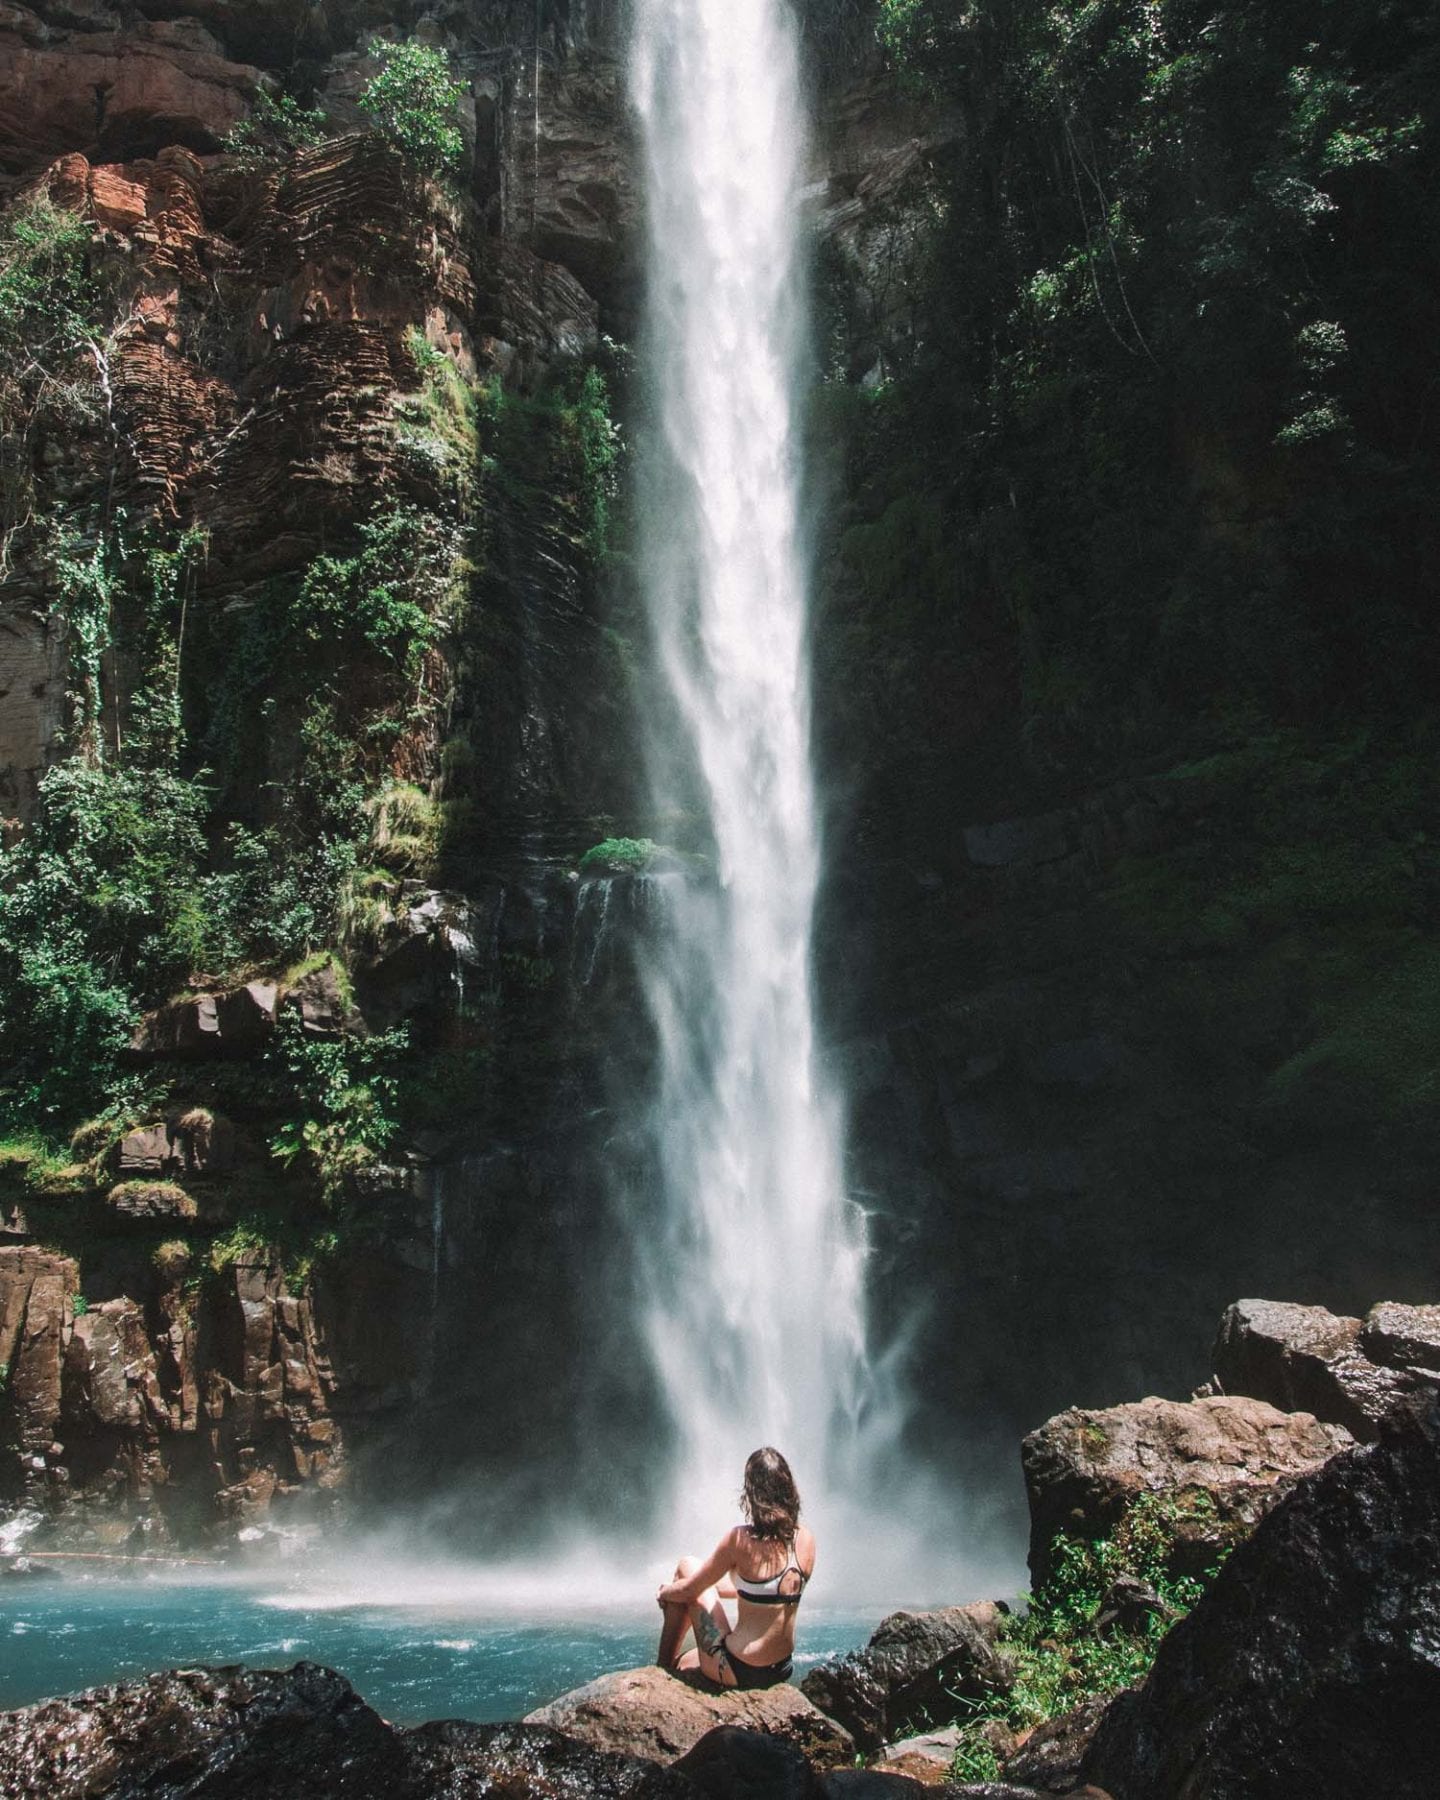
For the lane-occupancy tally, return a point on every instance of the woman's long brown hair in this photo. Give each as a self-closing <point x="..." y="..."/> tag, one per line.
<point x="771" y="1499"/>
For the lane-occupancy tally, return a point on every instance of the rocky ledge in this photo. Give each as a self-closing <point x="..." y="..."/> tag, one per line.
<point x="1306" y="1667"/>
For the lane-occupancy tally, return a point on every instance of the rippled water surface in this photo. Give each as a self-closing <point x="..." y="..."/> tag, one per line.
<point x="411" y="1662"/>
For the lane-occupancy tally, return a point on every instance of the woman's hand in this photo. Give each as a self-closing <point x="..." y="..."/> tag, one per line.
<point x="667" y="1595"/>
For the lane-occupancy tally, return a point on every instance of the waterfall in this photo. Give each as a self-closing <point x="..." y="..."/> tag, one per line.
<point x="752" y="1267"/>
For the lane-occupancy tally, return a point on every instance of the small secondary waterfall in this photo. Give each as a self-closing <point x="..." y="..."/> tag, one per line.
<point x="754" y="1271"/>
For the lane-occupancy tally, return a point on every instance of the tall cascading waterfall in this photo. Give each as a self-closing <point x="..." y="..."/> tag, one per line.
<point x="753" y="1268"/>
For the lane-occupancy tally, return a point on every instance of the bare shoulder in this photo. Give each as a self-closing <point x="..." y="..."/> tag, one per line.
<point x="805" y="1548"/>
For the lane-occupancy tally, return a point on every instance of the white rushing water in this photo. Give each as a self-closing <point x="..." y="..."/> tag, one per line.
<point x="754" y="1269"/>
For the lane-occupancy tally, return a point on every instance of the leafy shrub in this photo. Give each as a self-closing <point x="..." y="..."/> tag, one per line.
<point x="100" y="901"/>
<point x="386" y="598"/>
<point x="50" y="304"/>
<point x="277" y="125"/>
<point x="1059" y="1655"/>
<point x="346" y="1088"/>
<point x="413" y="101"/>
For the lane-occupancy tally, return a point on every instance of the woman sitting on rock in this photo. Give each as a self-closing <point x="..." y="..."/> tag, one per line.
<point x="764" y="1566"/>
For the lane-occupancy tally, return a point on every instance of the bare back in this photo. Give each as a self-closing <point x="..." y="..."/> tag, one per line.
<point x="765" y="1631"/>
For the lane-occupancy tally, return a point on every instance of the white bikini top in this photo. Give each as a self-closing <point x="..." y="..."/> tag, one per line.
<point x="770" y="1592"/>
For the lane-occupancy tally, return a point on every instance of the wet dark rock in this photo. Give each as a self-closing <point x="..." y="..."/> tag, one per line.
<point x="1221" y="1463"/>
<point x="425" y="951"/>
<point x="732" y="1763"/>
<point x="910" y="1672"/>
<point x="1350" y="1372"/>
<point x="458" y="1761"/>
<point x="873" y="1784"/>
<point x="324" y="1008"/>
<point x="302" y="1733"/>
<point x="245" y="1735"/>
<point x="1052" y="1758"/>
<point x="1312" y="1666"/>
<point x="1129" y="1603"/>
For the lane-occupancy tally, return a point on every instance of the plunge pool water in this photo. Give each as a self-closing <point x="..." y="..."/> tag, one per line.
<point x="463" y="1658"/>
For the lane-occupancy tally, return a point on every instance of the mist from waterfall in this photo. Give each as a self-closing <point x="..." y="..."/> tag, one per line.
<point x="753" y="1265"/>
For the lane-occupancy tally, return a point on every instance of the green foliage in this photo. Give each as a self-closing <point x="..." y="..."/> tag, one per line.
<point x="46" y="296"/>
<point x="275" y="1235"/>
<point x="276" y="126"/>
<point x="599" y="447"/>
<point x="347" y="1090"/>
<point x="1163" y="401"/>
<point x="1058" y="1653"/>
<point x="79" y="1306"/>
<point x="387" y="598"/>
<point x="620" y="855"/>
<point x="100" y="900"/>
<point x="561" y="441"/>
<point x="413" y="101"/>
<point x="404" y="828"/>
<point x="438" y="427"/>
<point x="50" y="349"/>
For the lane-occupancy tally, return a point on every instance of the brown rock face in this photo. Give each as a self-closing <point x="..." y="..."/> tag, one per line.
<point x="32" y="703"/>
<point x="236" y="1023"/>
<point x="107" y="1410"/>
<point x="1347" y="1371"/>
<point x="652" y="1713"/>
<point x="36" y="1318"/>
<point x="119" y="92"/>
<point x="1225" y="1462"/>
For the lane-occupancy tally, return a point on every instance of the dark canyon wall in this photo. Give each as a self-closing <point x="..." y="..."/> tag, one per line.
<point x="1127" y="970"/>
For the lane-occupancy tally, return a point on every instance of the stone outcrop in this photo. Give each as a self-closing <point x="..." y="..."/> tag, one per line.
<point x="1051" y="1758"/>
<point x="119" y="89"/>
<point x="190" y="1413"/>
<point x="37" y="1295"/>
<point x="236" y="1022"/>
<point x="304" y="1733"/>
<point x="1351" y="1372"/>
<point x="1310" y="1666"/>
<point x="910" y="1673"/>
<point x="653" y="1713"/>
<point x="1222" y="1463"/>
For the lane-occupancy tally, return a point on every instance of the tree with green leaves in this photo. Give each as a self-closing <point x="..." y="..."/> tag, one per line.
<point x="413" y="100"/>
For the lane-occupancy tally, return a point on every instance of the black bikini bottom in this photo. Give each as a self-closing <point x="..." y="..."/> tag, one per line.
<point x="760" y="1675"/>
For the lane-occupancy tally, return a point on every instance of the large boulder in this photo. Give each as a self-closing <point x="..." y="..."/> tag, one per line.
<point x="1312" y="1666"/>
<point x="730" y="1763"/>
<point x="910" y="1673"/>
<point x="1222" y="1463"/>
<point x="1346" y="1371"/>
<point x="1052" y="1757"/>
<point x="654" y="1713"/>
<point x="457" y="1761"/>
<point x="302" y="1733"/>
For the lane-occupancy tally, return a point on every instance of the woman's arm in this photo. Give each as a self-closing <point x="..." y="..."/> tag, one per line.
<point x="719" y="1562"/>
